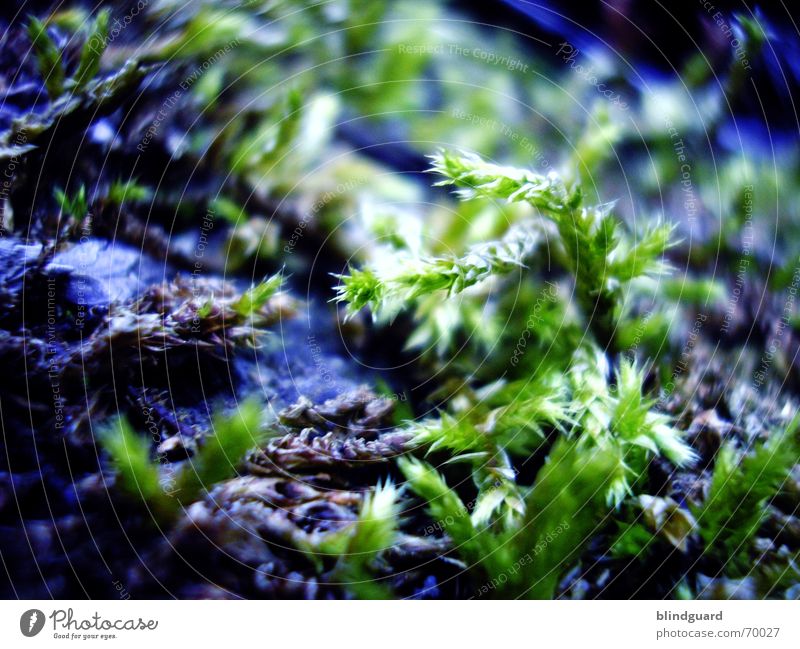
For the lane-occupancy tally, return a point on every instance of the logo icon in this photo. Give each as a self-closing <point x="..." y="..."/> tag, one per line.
<point x="31" y="622"/>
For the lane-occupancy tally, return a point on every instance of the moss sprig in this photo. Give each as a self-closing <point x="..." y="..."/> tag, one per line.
<point x="601" y="259"/>
<point x="742" y="483"/>
<point x="142" y="479"/>
<point x="387" y="289"/>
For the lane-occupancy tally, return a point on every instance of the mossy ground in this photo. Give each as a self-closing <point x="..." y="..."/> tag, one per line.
<point x="254" y="346"/>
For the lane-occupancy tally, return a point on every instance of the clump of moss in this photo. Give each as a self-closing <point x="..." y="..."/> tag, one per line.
<point x="546" y="452"/>
<point x="741" y="486"/>
<point x="163" y="493"/>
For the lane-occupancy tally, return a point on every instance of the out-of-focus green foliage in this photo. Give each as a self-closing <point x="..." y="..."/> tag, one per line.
<point x="75" y="206"/>
<point x="740" y="488"/>
<point x="140" y="476"/>
<point x="48" y="58"/>
<point x="360" y="545"/>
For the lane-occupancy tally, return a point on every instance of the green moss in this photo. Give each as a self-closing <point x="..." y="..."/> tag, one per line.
<point x="48" y="58"/>
<point x="143" y="478"/>
<point x="257" y="296"/>
<point x="741" y="486"/>
<point x="362" y="544"/>
<point x="137" y="475"/>
<point x="526" y="556"/>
